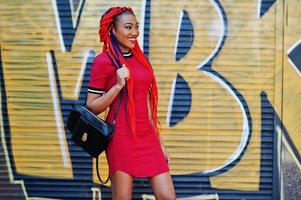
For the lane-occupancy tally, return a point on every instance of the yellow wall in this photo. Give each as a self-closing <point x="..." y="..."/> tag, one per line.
<point x="253" y="59"/>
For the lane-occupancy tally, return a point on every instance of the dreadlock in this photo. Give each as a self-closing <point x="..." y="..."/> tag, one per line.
<point x="112" y="48"/>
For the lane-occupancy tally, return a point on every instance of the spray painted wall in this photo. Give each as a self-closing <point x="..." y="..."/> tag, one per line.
<point x="228" y="72"/>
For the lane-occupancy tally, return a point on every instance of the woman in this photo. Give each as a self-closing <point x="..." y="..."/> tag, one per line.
<point x="135" y="149"/>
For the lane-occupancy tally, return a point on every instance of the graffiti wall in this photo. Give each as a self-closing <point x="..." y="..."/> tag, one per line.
<point x="228" y="73"/>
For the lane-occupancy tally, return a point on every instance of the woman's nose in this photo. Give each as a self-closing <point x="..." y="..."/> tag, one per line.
<point x="135" y="32"/>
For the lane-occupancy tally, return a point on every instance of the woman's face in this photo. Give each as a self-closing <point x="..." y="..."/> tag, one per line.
<point x="126" y="31"/>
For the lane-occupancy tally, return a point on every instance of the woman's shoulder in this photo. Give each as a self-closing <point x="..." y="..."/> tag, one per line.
<point x="102" y="58"/>
<point x="103" y="62"/>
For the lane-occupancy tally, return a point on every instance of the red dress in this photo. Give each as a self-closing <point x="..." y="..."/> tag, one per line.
<point x="140" y="157"/>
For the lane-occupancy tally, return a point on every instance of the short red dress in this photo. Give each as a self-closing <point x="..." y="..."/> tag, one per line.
<point x="141" y="156"/>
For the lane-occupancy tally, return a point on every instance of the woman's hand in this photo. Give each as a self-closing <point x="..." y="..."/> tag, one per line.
<point x="123" y="75"/>
<point x="165" y="153"/>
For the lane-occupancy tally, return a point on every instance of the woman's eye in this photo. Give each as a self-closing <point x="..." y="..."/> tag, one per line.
<point x="128" y="27"/>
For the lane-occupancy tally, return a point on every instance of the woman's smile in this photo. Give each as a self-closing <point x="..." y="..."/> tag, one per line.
<point x="126" y="31"/>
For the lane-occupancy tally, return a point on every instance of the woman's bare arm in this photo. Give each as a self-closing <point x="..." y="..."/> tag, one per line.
<point x="97" y="103"/>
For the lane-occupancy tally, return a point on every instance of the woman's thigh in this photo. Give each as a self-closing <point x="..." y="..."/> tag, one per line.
<point x="122" y="184"/>
<point x="163" y="187"/>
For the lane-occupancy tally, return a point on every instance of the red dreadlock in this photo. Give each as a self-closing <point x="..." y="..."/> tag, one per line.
<point x="116" y="56"/>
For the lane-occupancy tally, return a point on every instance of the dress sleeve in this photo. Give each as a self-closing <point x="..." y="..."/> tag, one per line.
<point x="100" y="73"/>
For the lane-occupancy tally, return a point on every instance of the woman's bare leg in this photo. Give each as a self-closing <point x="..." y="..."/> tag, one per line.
<point x="163" y="187"/>
<point x="122" y="185"/>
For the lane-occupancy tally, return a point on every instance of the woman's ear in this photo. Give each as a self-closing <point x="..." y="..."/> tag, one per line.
<point x="113" y="28"/>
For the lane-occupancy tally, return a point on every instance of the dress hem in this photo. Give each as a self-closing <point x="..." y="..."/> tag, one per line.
<point x="139" y="176"/>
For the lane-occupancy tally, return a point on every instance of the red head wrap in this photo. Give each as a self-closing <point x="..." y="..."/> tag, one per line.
<point x="104" y="34"/>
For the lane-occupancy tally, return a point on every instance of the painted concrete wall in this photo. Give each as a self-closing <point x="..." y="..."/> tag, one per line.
<point x="228" y="72"/>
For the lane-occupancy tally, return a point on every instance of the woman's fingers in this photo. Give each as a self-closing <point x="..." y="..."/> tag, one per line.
<point x="123" y="75"/>
<point x="124" y="72"/>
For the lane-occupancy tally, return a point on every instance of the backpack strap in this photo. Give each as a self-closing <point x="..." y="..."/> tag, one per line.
<point x="114" y="121"/>
<point x="98" y="175"/>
